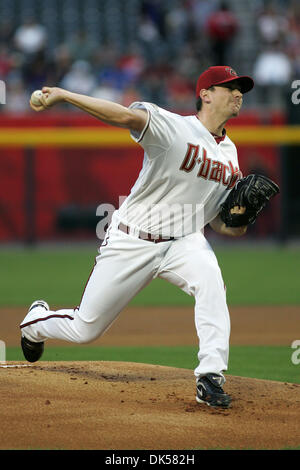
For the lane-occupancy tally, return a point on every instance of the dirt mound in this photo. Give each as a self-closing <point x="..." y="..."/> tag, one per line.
<point x="112" y="405"/>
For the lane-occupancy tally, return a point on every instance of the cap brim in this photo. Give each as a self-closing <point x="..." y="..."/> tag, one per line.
<point x="246" y="82"/>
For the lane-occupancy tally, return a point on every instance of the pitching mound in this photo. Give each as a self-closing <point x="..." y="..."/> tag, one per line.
<point x="112" y="405"/>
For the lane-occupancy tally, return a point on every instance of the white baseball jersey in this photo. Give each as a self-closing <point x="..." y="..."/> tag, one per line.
<point x="184" y="176"/>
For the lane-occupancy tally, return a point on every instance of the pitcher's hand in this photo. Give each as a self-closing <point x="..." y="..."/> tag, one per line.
<point x="50" y="97"/>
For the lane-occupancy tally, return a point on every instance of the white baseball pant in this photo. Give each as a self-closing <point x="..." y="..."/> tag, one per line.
<point x="126" y="264"/>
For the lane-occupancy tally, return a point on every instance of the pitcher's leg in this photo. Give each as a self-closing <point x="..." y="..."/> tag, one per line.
<point x="113" y="283"/>
<point x="191" y="265"/>
<point x="39" y="325"/>
<point x="212" y="324"/>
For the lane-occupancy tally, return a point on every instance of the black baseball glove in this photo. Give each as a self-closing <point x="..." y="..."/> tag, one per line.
<point x="247" y="199"/>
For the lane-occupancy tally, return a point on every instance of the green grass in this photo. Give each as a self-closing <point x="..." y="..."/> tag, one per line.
<point x="56" y="275"/>
<point x="262" y="276"/>
<point x="262" y="362"/>
<point x="268" y="276"/>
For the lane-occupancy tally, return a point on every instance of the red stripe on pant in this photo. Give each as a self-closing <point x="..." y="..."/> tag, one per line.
<point x="56" y="315"/>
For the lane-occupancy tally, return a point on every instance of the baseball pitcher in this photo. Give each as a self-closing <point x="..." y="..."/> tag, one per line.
<point x="190" y="178"/>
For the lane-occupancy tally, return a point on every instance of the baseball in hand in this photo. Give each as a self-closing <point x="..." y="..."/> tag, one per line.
<point x="35" y="97"/>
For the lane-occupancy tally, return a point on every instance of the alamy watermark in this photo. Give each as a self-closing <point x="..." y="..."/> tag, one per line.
<point x="2" y="351"/>
<point x="2" y="92"/>
<point x="295" y="358"/>
<point x="169" y="220"/>
<point x="296" y="94"/>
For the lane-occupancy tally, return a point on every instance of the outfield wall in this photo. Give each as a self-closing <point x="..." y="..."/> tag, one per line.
<point x="56" y="169"/>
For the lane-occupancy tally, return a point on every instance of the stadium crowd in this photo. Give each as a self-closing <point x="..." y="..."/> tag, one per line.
<point x="163" y="61"/>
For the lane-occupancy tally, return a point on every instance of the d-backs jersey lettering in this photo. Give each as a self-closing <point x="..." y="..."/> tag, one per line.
<point x="185" y="175"/>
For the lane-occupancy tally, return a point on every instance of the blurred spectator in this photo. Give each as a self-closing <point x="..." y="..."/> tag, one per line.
<point x="272" y="74"/>
<point x="6" y="33"/>
<point x="80" y="78"/>
<point x="107" y="68"/>
<point x="149" y="38"/>
<point x="187" y="63"/>
<point x="30" y="37"/>
<point x="130" y="95"/>
<point x="222" y="27"/>
<point x="180" y="93"/>
<point x="6" y="61"/>
<point x="132" y="63"/>
<point x="293" y="37"/>
<point x="36" y="70"/>
<point x="62" y="63"/>
<point x="153" y="84"/>
<point x="105" y="91"/>
<point x="201" y="10"/>
<point x="272" y="25"/>
<point x="81" y="47"/>
<point x="154" y="11"/>
<point x="147" y="30"/>
<point x="17" y="97"/>
<point x="178" y="23"/>
<point x="272" y="67"/>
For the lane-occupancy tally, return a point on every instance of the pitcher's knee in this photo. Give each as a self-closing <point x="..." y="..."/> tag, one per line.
<point x="91" y="322"/>
<point x="87" y="332"/>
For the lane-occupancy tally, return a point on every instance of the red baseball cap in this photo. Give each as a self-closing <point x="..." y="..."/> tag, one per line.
<point x="222" y="74"/>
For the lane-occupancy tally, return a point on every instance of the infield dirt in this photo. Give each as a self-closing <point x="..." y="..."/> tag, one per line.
<point x="118" y="405"/>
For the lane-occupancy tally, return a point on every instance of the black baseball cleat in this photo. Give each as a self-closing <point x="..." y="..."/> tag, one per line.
<point x="32" y="351"/>
<point x="209" y="391"/>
